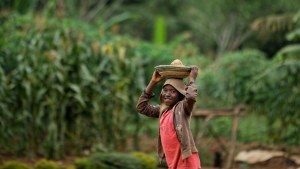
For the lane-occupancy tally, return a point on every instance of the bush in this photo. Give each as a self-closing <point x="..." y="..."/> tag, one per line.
<point x="237" y="70"/>
<point x="83" y="163"/>
<point x="69" y="167"/>
<point x="14" y="165"/>
<point x="227" y="82"/>
<point x="46" y="164"/>
<point x="206" y="156"/>
<point x="148" y="162"/>
<point x="115" y="161"/>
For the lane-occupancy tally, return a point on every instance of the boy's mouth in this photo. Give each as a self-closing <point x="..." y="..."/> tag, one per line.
<point x="167" y="99"/>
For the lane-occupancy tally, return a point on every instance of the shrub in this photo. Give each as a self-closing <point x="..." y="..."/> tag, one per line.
<point x="14" y="165"/>
<point x="46" y="164"/>
<point x="148" y="162"/>
<point x="83" y="163"/>
<point x="227" y="82"/>
<point x="115" y="161"/>
<point x="69" y="167"/>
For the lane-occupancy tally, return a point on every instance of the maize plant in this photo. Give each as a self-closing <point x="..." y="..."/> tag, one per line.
<point x="61" y="92"/>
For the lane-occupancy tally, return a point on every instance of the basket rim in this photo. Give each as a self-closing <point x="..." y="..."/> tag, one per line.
<point x="172" y="68"/>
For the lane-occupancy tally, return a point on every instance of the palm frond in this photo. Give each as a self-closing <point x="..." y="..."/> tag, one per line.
<point x="273" y="23"/>
<point x="290" y="51"/>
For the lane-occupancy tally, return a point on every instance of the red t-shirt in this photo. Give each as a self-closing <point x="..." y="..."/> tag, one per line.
<point x="171" y="145"/>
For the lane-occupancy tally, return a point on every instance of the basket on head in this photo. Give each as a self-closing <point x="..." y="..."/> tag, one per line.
<point x="175" y="70"/>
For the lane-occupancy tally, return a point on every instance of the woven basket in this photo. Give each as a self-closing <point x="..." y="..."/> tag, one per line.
<point x="170" y="71"/>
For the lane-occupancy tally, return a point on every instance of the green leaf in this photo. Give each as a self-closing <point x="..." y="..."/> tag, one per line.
<point x="86" y="74"/>
<point x="289" y="52"/>
<point x="75" y="87"/>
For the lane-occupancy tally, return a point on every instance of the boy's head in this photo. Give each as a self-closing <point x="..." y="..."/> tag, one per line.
<point x="172" y="92"/>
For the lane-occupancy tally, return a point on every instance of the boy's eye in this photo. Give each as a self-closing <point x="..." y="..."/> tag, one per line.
<point x="171" y="91"/>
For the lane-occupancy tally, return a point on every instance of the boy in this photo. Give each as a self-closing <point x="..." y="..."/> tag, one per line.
<point x="175" y="141"/>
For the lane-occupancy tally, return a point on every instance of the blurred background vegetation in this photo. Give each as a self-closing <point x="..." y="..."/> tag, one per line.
<point x="71" y="71"/>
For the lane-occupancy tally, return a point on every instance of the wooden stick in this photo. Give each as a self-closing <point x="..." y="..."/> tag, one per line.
<point x="233" y="138"/>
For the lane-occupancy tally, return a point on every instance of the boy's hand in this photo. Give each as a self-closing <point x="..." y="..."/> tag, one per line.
<point x="193" y="73"/>
<point x="156" y="77"/>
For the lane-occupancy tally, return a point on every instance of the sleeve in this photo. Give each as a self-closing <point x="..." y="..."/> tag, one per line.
<point x="190" y="98"/>
<point x="144" y="108"/>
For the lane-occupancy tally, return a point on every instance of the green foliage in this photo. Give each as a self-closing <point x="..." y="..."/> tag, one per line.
<point x="206" y="18"/>
<point x="206" y="156"/>
<point x="148" y="162"/>
<point x="277" y="91"/>
<point x="160" y="30"/>
<point x="83" y="163"/>
<point x="237" y="71"/>
<point x="288" y="52"/>
<point x="115" y="161"/>
<point x="210" y="89"/>
<point x="291" y="51"/>
<point x="227" y="82"/>
<point x="295" y="34"/>
<point x="14" y="165"/>
<point x="203" y="19"/>
<point x="22" y="6"/>
<point x="68" y="90"/>
<point x="266" y="87"/>
<point x="251" y="128"/>
<point x="66" y="85"/>
<point x="46" y="164"/>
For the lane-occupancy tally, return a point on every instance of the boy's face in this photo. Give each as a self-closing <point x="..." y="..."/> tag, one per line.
<point x="170" y="95"/>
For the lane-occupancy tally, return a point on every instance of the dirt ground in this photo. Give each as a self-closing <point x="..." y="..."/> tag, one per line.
<point x="149" y="145"/>
<point x="279" y="163"/>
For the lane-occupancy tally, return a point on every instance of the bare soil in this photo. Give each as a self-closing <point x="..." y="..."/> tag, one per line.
<point x="277" y="163"/>
<point x="148" y="144"/>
